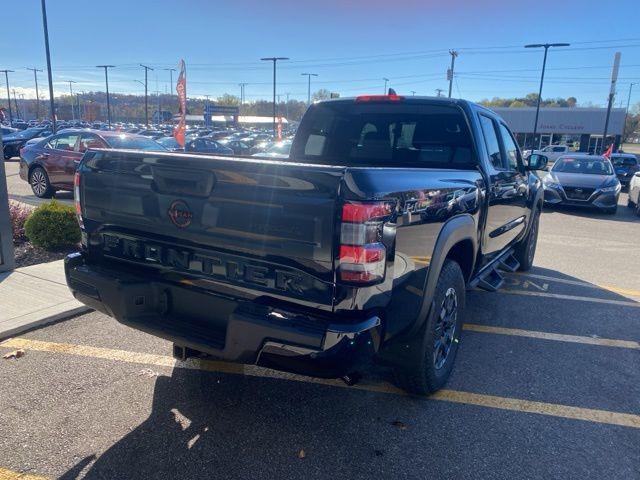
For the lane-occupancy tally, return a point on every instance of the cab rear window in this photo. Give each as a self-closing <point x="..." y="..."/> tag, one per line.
<point x="379" y="134"/>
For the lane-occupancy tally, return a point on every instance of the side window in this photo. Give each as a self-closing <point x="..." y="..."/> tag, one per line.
<point x="558" y="149"/>
<point x="90" y="141"/>
<point x="510" y="148"/>
<point x="51" y="143"/>
<point x="66" y="142"/>
<point x="491" y="139"/>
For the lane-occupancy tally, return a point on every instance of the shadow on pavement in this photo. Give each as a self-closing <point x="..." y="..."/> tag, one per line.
<point x="624" y="214"/>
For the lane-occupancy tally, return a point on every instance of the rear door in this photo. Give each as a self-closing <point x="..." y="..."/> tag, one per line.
<point x="62" y="159"/>
<point x="508" y="191"/>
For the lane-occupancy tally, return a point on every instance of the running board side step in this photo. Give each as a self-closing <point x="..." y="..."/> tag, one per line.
<point x="490" y="278"/>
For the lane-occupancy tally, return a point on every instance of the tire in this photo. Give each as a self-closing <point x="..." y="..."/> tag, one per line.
<point x="40" y="185"/>
<point x="525" y="251"/>
<point x="434" y="349"/>
<point x="638" y="207"/>
<point x="630" y="204"/>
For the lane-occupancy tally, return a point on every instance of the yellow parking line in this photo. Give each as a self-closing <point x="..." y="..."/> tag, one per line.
<point x="11" y="475"/>
<point x="490" y="401"/>
<point x="605" y="342"/>
<point x="579" y="283"/>
<point x="625" y="303"/>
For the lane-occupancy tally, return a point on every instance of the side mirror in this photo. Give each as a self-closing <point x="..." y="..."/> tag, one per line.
<point x="637" y="174"/>
<point x="537" y="162"/>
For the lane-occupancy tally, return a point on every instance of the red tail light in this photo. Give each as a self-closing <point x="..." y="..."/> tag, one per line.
<point x="379" y="98"/>
<point x="362" y="253"/>
<point x="76" y="198"/>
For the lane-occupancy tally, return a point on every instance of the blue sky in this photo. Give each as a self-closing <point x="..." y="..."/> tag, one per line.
<point x="352" y="45"/>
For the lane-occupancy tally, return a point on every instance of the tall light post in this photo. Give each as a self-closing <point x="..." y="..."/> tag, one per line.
<point x="35" y="77"/>
<point x="15" y="102"/>
<point x="242" y="86"/>
<point x="146" y="96"/>
<point x="6" y="78"/>
<point x="170" y="70"/>
<point x="546" y="47"/>
<point x="626" y="114"/>
<point x="454" y="55"/>
<point x="309" y="75"/>
<point x="274" y="60"/>
<point x="106" y="80"/>
<point x="73" y="113"/>
<point x="413" y="93"/>
<point x="52" y="101"/>
<point x="386" y="81"/>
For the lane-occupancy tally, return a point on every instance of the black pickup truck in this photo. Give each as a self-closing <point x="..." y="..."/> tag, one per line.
<point x="357" y="248"/>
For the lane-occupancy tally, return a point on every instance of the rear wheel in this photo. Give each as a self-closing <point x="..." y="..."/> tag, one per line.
<point x="630" y="204"/>
<point x="434" y="350"/>
<point x="39" y="181"/>
<point x="525" y="251"/>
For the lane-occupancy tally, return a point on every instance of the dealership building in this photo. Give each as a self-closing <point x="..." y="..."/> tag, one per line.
<point x="583" y="126"/>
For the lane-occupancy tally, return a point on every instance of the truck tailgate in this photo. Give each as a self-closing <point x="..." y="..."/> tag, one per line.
<point x="265" y="226"/>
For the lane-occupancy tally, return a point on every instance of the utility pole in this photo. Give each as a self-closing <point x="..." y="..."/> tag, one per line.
<point x="35" y="77"/>
<point x="386" y="80"/>
<point x="546" y="47"/>
<point x="106" y="80"/>
<point x="413" y="93"/>
<point x="71" y="82"/>
<point x="439" y="92"/>
<point x="274" y="60"/>
<point x="52" y="101"/>
<point x="242" y="85"/>
<point x="309" y="75"/>
<point x="80" y="115"/>
<point x="612" y="94"/>
<point x="146" y="97"/>
<point x="626" y="114"/>
<point x="15" y="102"/>
<point x="286" y="106"/>
<point x="170" y="70"/>
<point x="6" y="77"/>
<point x="450" y="73"/>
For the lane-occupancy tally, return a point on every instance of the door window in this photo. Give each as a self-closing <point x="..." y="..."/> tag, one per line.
<point x="491" y="141"/>
<point x="66" y="142"/>
<point x="510" y="148"/>
<point x="90" y="141"/>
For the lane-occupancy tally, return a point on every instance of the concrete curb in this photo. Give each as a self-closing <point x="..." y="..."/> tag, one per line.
<point x="56" y="314"/>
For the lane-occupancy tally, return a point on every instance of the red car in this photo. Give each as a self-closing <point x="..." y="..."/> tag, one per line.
<point x="50" y="164"/>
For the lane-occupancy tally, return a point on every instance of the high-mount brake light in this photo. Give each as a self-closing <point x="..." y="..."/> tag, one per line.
<point x="379" y="98"/>
<point x="362" y="253"/>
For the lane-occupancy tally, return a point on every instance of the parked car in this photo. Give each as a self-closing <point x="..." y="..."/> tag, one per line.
<point x="205" y="145"/>
<point x="276" y="150"/>
<point x="8" y="130"/>
<point x="582" y="180"/>
<point x="625" y="165"/>
<point x="170" y="143"/>
<point x="238" y="146"/>
<point x="12" y="143"/>
<point x="50" y="164"/>
<point x="552" y="152"/>
<point x="311" y="264"/>
<point x="634" y="193"/>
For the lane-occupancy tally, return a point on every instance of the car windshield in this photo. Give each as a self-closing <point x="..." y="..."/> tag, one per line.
<point x="589" y="166"/>
<point x="133" y="142"/>
<point x="384" y="133"/>
<point x="624" y="161"/>
<point x="169" y="142"/>
<point x="28" y="133"/>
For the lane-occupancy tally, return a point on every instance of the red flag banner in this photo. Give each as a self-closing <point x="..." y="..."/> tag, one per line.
<point x="181" y="90"/>
<point x="608" y="152"/>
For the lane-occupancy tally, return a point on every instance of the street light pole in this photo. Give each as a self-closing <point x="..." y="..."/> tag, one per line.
<point x="106" y="81"/>
<point x="546" y="47"/>
<point x="35" y="77"/>
<point x="71" y="82"/>
<point x="15" y="102"/>
<point x="309" y="75"/>
<point x="52" y="101"/>
<point x="274" y="60"/>
<point x="386" y="80"/>
<point x="6" y="77"/>
<point x="413" y="93"/>
<point x="146" y="98"/>
<point x="626" y="114"/>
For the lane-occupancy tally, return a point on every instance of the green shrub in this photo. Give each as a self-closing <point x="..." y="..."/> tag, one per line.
<point x="53" y="226"/>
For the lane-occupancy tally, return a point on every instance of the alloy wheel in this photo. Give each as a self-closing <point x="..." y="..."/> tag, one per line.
<point x="445" y="328"/>
<point x="39" y="182"/>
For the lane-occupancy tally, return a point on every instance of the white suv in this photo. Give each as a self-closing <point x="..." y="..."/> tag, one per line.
<point x="634" y="193"/>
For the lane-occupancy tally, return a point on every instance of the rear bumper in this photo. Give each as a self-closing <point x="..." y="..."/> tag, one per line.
<point x="226" y="328"/>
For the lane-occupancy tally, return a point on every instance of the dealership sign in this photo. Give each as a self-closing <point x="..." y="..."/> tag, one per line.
<point x="563" y="120"/>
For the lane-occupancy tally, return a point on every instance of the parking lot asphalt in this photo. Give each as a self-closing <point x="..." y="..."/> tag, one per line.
<point x="546" y="385"/>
